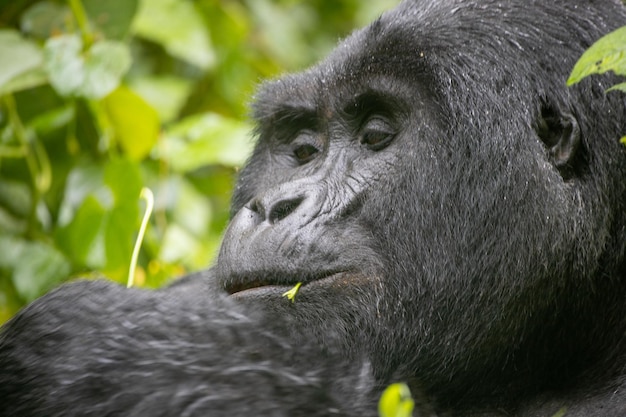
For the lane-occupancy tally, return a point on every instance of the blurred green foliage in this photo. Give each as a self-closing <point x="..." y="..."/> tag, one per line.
<point x="99" y="99"/>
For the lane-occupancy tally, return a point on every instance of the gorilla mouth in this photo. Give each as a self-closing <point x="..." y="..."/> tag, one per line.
<point x="236" y="286"/>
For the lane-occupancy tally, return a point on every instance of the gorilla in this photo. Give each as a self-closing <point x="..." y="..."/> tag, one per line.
<point x="454" y="214"/>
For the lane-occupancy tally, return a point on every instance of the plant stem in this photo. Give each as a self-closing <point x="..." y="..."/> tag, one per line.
<point x="83" y="22"/>
<point x="146" y="194"/>
<point x="31" y="159"/>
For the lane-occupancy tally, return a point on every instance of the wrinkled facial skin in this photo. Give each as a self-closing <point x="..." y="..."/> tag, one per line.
<point x="410" y="181"/>
<point x="300" y="215"/>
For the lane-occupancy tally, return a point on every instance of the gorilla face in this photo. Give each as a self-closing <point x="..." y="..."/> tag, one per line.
<point x="413" y="178"/>
<point x="327" y="148"/>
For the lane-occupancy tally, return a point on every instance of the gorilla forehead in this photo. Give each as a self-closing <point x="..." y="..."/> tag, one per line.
<point x="442" y="50"/>
<point x="372" y="59"/>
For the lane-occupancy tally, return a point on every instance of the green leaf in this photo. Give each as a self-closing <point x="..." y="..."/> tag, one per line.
<point x="101" y="233"/>
<point x="18" y="56"/>
<point x="607" y="54"/>
<point x="618" y="87"/>
<point x="206" y="139"/>
<point x="44" y="19"/>
<point x="16" y="197"/>
<point x="136" y="123"/>
<point x="10" y="249"/>
<point x="177" y="26"/>
<point x="112" y="17"/>
<point x="92" y="74"/>
<point x="178" y="245"/>
<point x="396" y="401"/>
<point x="189" y="208"/>
<point x="44" y="267"/>
<point x="53" y="119"/>
<point x="83" y="238"/>
<point x="105" y="65"/>
<point x="85" y="179"/>
<point x="123" y="178"/>
<point x="29" y="79"/>
<point x="166" y="94"/>
<point x="64" y="63"/>
<point x="190" y="215"/>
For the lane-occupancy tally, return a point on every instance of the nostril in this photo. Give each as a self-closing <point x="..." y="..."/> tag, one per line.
<point x="283" y="208"/>
<point x="257" y="207"/>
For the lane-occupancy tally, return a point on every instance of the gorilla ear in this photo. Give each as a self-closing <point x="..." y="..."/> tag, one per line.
<point x="560" y="133"/>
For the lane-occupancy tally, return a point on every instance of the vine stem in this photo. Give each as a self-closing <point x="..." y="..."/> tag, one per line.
<point x="83" y="22"/>
<point x="146" y="194"/>
<point x="36" y="159"/>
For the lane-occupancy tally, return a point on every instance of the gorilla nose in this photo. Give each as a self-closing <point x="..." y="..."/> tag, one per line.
<point x="274" y="210"/>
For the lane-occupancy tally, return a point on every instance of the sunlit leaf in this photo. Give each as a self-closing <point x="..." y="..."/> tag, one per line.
<point x="105" y="64"/>
<point x="178" y="244"/>
<point x="177" y="26"/>
<point x="396" y="401"/>
<point x="204" y="140"/>
<point x="136" y="123"/>
<point x="607" y="54"/>
<point x="17" y="55"/>
<point x="64" y="63"/>
<point x="166" y="94"/>
<point x="92" y="74"/>
<point x="190" y="208"/>
<point x="29" y="79"/>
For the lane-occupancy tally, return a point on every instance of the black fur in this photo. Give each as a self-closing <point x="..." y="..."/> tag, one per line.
<point x="457" y="217"/>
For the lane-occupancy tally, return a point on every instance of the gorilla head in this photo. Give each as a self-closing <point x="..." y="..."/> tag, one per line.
<point x="456" y="216"/>
<point x="436" y="186"/>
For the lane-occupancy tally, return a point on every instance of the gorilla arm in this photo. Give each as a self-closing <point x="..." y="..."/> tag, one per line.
<point x="95" y="348"/>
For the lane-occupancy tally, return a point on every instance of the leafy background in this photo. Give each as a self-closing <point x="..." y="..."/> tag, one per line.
<point x="99" y="99"/>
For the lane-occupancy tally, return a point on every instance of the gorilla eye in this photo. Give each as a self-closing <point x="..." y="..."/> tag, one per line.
<point x="306" y="146"/>
<point x="377" y="134"/>
<point x="305" y="153"/>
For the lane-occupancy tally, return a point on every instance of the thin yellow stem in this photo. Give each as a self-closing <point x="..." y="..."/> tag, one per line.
<point x="146" y="195"/>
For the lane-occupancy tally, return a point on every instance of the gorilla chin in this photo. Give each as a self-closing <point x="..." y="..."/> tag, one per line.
<point x="455" y="214"/>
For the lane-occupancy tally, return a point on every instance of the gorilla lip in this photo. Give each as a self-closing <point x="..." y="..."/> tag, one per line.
<point x="238" y="287"/>
<point x="242" y="285"/>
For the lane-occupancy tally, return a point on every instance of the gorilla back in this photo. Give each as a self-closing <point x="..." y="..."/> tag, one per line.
<point x="456" y="216"/>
